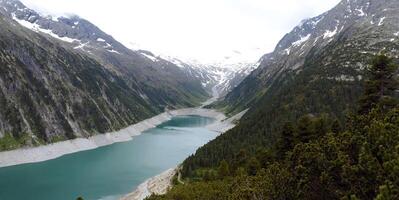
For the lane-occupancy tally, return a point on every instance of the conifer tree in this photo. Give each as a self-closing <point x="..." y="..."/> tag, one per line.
<point x="253" y="166"/>
<point x="286" y="141"/>
<point x="336" y="126"/>
<point x="381" y="86"/>
<point x="224" y="169"/>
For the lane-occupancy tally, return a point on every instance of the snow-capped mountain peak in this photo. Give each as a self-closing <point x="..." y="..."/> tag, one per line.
<point x="217" y="77"/>
<point x="220" y="78"/>
<point x="78" y="32"/>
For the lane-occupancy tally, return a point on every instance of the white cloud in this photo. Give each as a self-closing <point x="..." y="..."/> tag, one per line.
<point x="206" y="30"/>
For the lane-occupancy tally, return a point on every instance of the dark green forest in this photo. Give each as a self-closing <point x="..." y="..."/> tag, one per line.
<point x="318" y="155"/>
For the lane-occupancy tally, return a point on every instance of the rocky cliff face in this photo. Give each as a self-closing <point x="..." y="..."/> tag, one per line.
<point x="158" y="80"/>
<point x="64" y="78"/>
<point x="333" y="47"/>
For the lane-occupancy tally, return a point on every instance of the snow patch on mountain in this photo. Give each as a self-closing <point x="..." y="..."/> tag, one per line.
<point x="302" y="40"/>
<point x="329" y="33"/>
<point x="361" y="12"/>
<point x="81" y="45"/>
<point x="220" y="78"/>
<point x="113" y="51"/>
<point x="381" y="22"/>
<point x="52" y="18"/>
<point x="35" y="27"/>
<point x="154" y="59"/>
<point x="173" y="60"/>
<point x="317" y="20"/>
<point x="287" y="51"/>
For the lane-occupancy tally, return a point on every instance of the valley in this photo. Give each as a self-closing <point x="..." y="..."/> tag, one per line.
<point x="112" y="171"/>
<point x="85" y="116"/>
<point x="117" y="87"/>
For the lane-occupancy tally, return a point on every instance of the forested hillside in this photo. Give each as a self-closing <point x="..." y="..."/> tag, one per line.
<point x="325" y="53"/>
<point x="323" y="114"/>
<point x="315" y="156"/>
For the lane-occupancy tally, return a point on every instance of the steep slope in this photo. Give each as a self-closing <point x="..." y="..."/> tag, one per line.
<point x="218" y="79"/>
<point x="63" y="78"/>
<point x="160" y="82"/>
<point x="327" y="85"/>
<point x="48" y="93"/>
<point x="296" y="142"/>
<point x="334" y="46"/>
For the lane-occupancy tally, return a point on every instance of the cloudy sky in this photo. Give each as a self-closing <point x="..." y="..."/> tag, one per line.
<point x="206" y="30"/>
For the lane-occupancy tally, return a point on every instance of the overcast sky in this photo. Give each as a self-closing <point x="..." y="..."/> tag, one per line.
<point x="205" y="30"/>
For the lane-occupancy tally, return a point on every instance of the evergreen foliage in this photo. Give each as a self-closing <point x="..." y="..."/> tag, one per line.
<point x="316" y="156"/>
<point x="381" y="85"/>
<point x="223" y="170"/>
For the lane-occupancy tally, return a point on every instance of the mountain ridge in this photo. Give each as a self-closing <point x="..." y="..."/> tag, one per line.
<point x="134" y="66"/>
<point x="307" y="134"/>
<point x="314" y="35"/>
<point x="51" y="91"/>
<point x="86" y="37"/>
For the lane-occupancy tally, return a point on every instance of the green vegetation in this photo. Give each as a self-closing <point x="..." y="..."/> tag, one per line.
<point x="52" y="92"/>
<point x="381" y="86"/>
<point x="315" y="156"/>
<point x="9" y="142"/>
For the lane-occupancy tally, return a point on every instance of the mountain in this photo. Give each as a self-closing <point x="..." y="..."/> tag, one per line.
<point x="63" y="78"/>
<point x="160" y="81"/>
<point x="218" y="78"/>
<point x="181" y="78"/>
<point x="331" y="48"/>
<point x="317" y="69"/>
<point x="303" y="136"/>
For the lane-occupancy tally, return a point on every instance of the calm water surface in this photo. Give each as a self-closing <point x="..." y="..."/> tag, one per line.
<point x="107" y="172"/>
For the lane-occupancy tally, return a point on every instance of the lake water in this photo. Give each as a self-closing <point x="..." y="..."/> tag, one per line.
<point x="107" y="172"/>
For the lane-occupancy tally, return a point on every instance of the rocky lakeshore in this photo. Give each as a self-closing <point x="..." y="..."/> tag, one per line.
<point x="161" y="183"/>
<point x="156" y="185"/>
<point x="52" y="151"/>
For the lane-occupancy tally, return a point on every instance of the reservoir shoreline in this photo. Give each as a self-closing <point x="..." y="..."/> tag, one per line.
<point x="56" y="150"/>
<point x="161" y="183"/>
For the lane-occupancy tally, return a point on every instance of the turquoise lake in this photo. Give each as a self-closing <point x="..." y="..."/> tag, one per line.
<point x="107" y="172"/>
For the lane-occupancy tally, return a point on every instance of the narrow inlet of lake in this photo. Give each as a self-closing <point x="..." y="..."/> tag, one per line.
<point x="108" y="172"/>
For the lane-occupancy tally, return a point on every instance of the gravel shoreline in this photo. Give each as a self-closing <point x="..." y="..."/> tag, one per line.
<point x="161" y="183"/>
<point x="156" y="185"/>
<point x="52" y="151"/>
